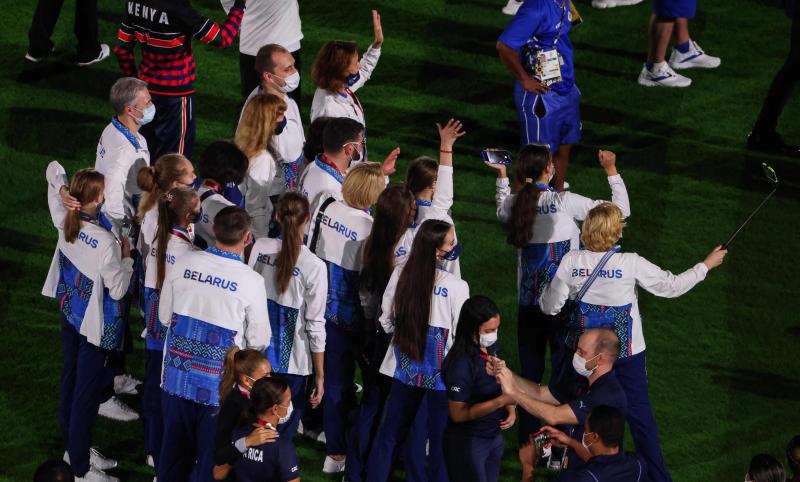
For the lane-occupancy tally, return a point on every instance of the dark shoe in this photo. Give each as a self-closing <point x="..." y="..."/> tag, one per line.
<point x="771" y="143"/>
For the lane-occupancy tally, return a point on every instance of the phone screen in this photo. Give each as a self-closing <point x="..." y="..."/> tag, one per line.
<point x="496" y="156"/>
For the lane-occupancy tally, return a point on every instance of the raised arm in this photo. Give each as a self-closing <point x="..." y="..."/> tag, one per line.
<point x="448" y="135"/>
<point x="665" y="284"/>
<point x="578" y="206"/>
<point x="370" y="58"/>
<point x="502" y="197"/>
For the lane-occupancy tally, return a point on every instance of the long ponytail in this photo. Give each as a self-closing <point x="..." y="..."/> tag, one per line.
<point x="394" y="212"/>
<point x="157" y="179"/>
<point x="292" y="212"/>
<point x="86" y="187"/>
<point x="533" y="160"/>
<point x="412" y="298"/>
<point x="174" y="207"/>
<point x="237" y="363"/>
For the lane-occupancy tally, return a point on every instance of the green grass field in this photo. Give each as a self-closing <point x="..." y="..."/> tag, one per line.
<point x="723" y="359"/>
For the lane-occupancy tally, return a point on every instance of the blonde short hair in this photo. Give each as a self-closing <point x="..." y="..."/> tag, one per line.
<point x="363" y="184"/>
<point x="257" y="126"/>
<point x="602" y="227"/>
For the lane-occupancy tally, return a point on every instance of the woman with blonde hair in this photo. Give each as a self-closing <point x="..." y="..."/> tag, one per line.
<point x="602" y="283"/>
<point x="340" y="229"/>
<point x="263" y="118"/>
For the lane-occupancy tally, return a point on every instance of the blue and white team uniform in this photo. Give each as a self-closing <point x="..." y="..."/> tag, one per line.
<point x="474" y="449"/>
<point x="179" y="245"/>
<point x="210" y="302"/>
<point x="271" y="462"/>
<point x="90" y="280"/>
<point x="612" y="301"/>
<point x="212" y="201"/>
<point x="340" y="241"/>
<point x="321" y="178"/>
<point x="555" y="233"/>
<point x="552" y="118"/>
<point x="297" y="320"/>
<point x="416" y="381"/>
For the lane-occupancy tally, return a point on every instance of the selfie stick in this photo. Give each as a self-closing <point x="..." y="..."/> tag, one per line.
<point x="770" y="174"/>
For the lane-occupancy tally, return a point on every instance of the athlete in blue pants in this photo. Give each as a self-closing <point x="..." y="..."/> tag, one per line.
<point x="536" y="48"/>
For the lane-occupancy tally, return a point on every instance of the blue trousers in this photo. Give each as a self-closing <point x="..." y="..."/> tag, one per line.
<point x="535" y="331"/>
<point x="399" y="412"/>
<point x="471" y="458"/>
<point x="172" y="129"/>
<point x="632" y="374"/>
<point x="84" y="381"/>
<point x="548" y="118"/>
<point x="297" y="384"/>
<point x="187" y="447"/>
<point x="341" y="351"/>
<point x="151" y="404"/>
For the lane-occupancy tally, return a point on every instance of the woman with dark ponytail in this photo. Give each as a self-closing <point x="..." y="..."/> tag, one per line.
<point x="296" y="282"/>
<point x="177" y="209"/>
<point x="541" y="224"/>
<point x="420" y="307"/>
<point x="242" y="369"/>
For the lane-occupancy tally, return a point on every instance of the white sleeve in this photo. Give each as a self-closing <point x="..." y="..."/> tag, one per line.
<point x="257" y="330"/>
<point x="387" y="309"/>
<point x="256" y="197"/>
<point x="315" y="299"/>
<point x="227" y="4"/>
<point x="114" y="205"/>
<point x="555" y="294"/>
<point x="56" y="177"/>
<point x="116" y="272"/>
<point x="578" y="206"/>
<point x="368" y="63"/>
<point x="503" y="199"/>
<point x="459" y="297"/>
<point x="665" y="284"/>
<point x="443" y="197"/>
<point x="166" y="294"/>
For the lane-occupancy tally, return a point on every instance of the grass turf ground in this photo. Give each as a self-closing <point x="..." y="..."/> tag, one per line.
<point x="722" y="360"/>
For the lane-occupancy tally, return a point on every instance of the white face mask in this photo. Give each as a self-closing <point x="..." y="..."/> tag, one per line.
<point x="579" y="364"/>
<point x="291" y="82"/>
<point x="583" y="441"/>
<point x="147" y="115"/>
<point x="289" y="410"/>
<point x="488" y="339"/>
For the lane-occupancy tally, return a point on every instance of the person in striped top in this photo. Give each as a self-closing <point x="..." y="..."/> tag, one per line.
<point x="165" y="28"/>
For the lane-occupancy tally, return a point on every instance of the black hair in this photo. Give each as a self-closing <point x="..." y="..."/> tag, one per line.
<point x="608" y="423"/>
<point x="231" y="225"/>
<point x="313" y="145"/>
<point x="54" y="470"/>
<point x="765" y="468"/>
<point x="223" y="162"/>
<point x="477" y="310"/>
<point x="338" y="132"/>
<point x="266" y="392"/>
<point x="793" y="460"/>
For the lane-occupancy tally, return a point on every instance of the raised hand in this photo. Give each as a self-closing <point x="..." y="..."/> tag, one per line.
<point x="449" y="133"/>
<point x="376" y="26"/>
<point x="70" y="203"/>
<point x="390" y="161"/>
<point x="609" y="161"/>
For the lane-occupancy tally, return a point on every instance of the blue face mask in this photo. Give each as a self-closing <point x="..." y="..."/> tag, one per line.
<point x="280" y="126"/>
<point x="147" y="115"/>
<point x="453" y="254"/>
<point x="352" y="79"/>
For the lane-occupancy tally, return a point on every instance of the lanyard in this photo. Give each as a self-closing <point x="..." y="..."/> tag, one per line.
<point x="181" y="233"/>
<point x="225" y="254"/>
<point x="356" y="102"/>
<point x="544" y="187"/>
<point x="323" y="163"/>
<point x="561" y="22"/>
<point x="125" y="132"/>
<point x="213" y="185"/>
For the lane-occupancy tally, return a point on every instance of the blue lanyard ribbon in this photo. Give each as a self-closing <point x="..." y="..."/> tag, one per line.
<point x="125" y="132"/>
<point x="224" y="254"/>
<point x="330" y="170"/>
<point x="545" y="187"/>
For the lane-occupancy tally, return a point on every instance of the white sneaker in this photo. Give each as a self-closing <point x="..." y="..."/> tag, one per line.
<point x="105" y="51"/>
<point x="321" y="438"/>
<point x="300" y="429"/>
<point x="694" y="58"/>
<point x="149" y="461"/>
<point x="614" y="3"/>
<point x="662" y="75"/>
<point x="115" y="409"/>
<point x="96" y="460"/>
<point x="126" y="384"/>
<point x="512" y="6"/>
<point x="332" y="466"/>
<point x="95" y="475"/>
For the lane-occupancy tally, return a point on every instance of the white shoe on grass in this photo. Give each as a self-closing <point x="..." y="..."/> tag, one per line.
<point x="96" y="460"/>
<point x="150" y="461"/>
<point x="694" y="58"/>
<point x="105" y="51"/>
<point x="333" y="466"/>
<point x="512" y="6"/>
<point x="614" y="3"/>
<point x="126" y="384"/>
<point x="662" y="76"/>
<point x="115" y="409"/>
<point x="95" y="475"/>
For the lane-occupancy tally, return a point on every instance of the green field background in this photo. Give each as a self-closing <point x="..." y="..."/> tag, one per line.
<point x="722" y="360"/>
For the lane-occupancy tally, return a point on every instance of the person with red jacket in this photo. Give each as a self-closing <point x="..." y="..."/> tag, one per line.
<point x="165" y="29"/>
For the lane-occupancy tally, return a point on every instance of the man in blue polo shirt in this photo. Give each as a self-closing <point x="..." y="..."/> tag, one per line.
<point x="571" y="402"/>
<point x="536" y="48"/>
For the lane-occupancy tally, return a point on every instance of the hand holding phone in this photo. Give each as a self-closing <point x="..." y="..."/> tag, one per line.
<point x="493" y="155"/>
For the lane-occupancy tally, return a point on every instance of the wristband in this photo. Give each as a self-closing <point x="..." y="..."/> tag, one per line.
<point x="445" y="152"/>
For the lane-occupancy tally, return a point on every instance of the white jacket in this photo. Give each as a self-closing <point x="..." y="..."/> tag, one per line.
<point x="264" y="179"/>
<point x="336" y="104"/>
<point x="616" y="286"/>
<point x="297" y="315"/>
<point x="95" y="256"/>
<point x="268" y="22"/>
<point x="316" y="181"/>
<point x="211" y="206"/>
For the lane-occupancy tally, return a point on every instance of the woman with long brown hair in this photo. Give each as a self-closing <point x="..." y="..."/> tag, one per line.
<point x="424" y="330"/>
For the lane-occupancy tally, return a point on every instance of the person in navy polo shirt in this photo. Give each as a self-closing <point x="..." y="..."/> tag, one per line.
<point x="536" y="48"/>
<point x="270" y="405"/>
<point x="473" y="442"/>
<point x="571" y="402"/>
<point x="603" y="433"/>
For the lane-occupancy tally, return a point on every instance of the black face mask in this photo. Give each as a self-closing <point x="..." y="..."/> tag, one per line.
<point x="280" y="126"/>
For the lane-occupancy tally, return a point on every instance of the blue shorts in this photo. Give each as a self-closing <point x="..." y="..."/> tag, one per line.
<point x="550" y="118"/>
<point x="675" y="8"/>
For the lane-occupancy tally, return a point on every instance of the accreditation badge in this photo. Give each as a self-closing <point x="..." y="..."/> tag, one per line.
<point x="548" y="66"/>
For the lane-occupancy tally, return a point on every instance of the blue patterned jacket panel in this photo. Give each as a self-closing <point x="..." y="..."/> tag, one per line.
<point x="538" y="264"/>
<point x="155" y="331"/>
<point x="343" y="306"/>
<point x="586" y="316"/>
<point x="426" y="373"/>
<point x="283" y="321"/>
